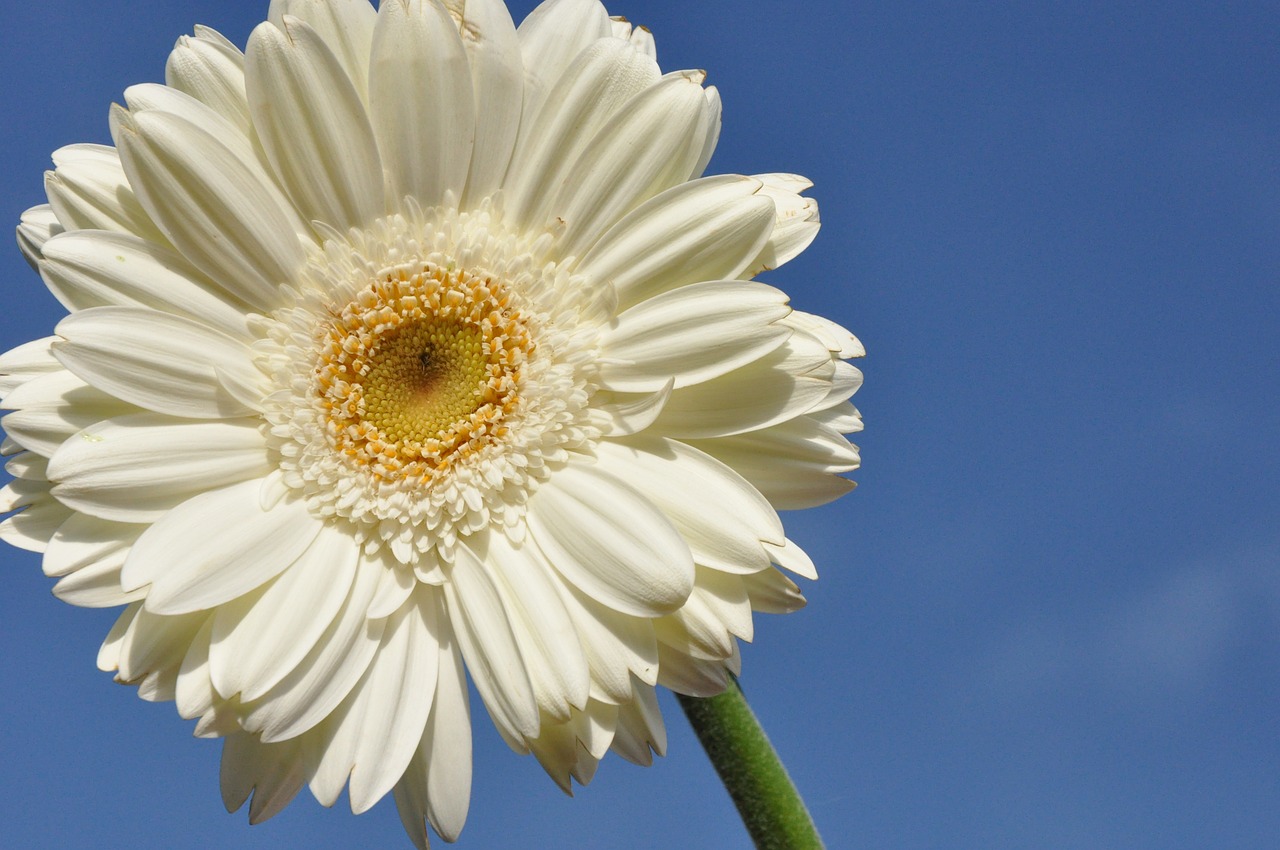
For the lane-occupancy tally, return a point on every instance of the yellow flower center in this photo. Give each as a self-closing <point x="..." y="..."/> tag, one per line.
<point x="420" y="369"/>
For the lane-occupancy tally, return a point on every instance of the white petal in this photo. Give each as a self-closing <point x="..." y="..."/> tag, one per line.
<point x="109" y="652"/>
<point x="607" y="539"/>
<point x="88" y="268"/>
<point x="394" y="588"/>
<point x="89" y="191"/>
<point x="156" y="644"/>
<point x="603" y="79"/>
<point x="640" y="728"/>
<point x="437" y="783"/>
<point x="373" y="735"/>
<point x="711" y="110"/>
<point x="36" y="226"/>
<point x="684" y="674"/>
<point x="777" y="387"/>
<point x="213" y="203"/>
<point x="648" y="147"/>
<point x="694" y="333"/>
<point x="315" y="687"/>
<point x="135" y="468"/>
<point x="421" y="100"/>
<point x="97" y="585"/>
<point x="794" y="463"/>
<point x="194" y="696"/>
<point x="28" y="465"/>
<point x="273" y="773"/>
<point x="489" y="646"/>
<point x="24" y="362"/>
<point x="773" y="593"/>
<point x="547" y="638"/>
<point x="156" y="360"/>
<point x="313" y="126"/>
<point x="708" y="229"/>
<point x="497" y="84"/>
<point x="551" y="37"/>
<point x="258" y="640"/>
<point x="722" y="518"/>
<point x="843" y="417"/>
<point x="626" y="413"/>
<point x="35" y="525"/>
<point x="54" y="407"/>
<point x="346" y="26"/>
<point x="618" y="646"/>
<point x="20" y="493"/>
<point x="792" y="557"/>
<point x="83" y="541"/>
<point x="837" y="339"/>
<point x="210" y="69"/>
<point x="216" y="546"/>
<point x="797" y="221"/>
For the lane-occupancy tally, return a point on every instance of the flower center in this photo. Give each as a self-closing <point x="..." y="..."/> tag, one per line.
<point x="421" y="369"/>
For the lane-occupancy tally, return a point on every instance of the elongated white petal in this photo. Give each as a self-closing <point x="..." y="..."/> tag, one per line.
<point x="692" y="334"/>
<point x="89" y="268"/>
<point x="722" y="518"/>
<point x="373" y="735"/>
<point x="83" y="541"/>
<point x="25" y="362"/>
<point x="34" y="526"/>
<point x="623" y="414"/>
<point x="89" y="191"/>
<point x="548" y="642"/>
<point x="97" y="585"/>
<point x="773" y="593"/>
<point x="437" y="784"/>
<point x="640" y="730"/>
<point x="618" y="646"/>
<point x="210" y="69"/>
<point x="711" y="123"/>
<point x="794" y="463"/>
<point x="36" y="226"/>
<point x="53" y="407"/>
<point x="258" y="640"/>
<point x="313" y="125"/>
<point x="216" y="546"/>
<point x="797" y="221"/>
<point x="316" y="686"/>
<point x="497" y="85"/>
<point x="272" y="773"/>
<point x="136" y="468"/>
<point x="779" y="386"/>
<point x="601" y="81"/>
<point x="609" y="541"/>
<point x="489" y="646"/>
<point x="158" y="361"/>
<point x="708" y="229"/>
<point x="837" y="339"/>
<point x="213" y="203"/>
<point x="551" y="37"/>
<point x="420" y="96"/>
<point x="648" y="148"/>
<point x="345" y="26"/>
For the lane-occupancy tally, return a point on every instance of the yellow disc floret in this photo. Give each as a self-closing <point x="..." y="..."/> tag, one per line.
<point x="420" y="369"/>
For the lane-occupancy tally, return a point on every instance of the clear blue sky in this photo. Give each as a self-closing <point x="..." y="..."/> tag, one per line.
<point x="1050" y="615"/>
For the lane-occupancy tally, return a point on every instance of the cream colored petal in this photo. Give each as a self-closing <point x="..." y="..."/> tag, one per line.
<point x="313" y="126"/>
<point x="421" y="101"/>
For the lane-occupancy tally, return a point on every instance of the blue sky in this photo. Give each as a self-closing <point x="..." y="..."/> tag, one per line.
<point x="1049" y="616"/>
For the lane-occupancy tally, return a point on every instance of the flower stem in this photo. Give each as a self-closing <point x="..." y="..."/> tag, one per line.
<point x="767" y="800"/>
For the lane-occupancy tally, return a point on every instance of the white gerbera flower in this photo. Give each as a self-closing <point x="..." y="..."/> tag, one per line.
<point x="407" y="342"/>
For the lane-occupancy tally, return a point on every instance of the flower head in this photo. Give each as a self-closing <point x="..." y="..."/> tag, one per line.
<point x="406" y="343"/>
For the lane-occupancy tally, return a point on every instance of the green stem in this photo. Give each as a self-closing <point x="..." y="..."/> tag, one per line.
<point x="768" y="802"/>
